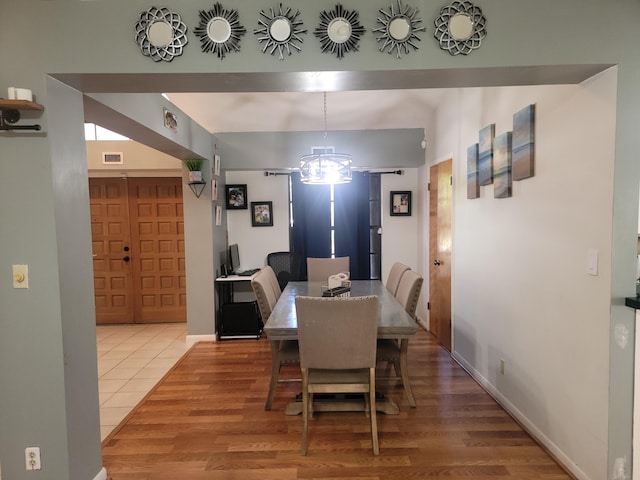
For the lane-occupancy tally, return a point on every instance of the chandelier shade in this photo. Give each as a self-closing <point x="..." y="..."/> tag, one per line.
<point x="325" y="168"/>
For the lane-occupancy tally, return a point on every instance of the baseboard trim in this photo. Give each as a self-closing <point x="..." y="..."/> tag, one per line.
<point x="193" y="339"/>
<point x="551" y="448"/>
<point x="102" y="475"/>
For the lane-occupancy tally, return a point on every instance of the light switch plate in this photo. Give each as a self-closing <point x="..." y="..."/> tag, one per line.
<point x="20" y="276"/>
<point x="592" y="261"/>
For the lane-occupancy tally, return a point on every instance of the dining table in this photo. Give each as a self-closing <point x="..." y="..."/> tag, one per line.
<point x="393" y="323"/>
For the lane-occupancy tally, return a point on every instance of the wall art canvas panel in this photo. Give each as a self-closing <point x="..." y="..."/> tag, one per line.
<point x="523" y="143"/>
<point x="473" y="185"/>
<point x="485" y="146"/>
<point x="502" y="165"/>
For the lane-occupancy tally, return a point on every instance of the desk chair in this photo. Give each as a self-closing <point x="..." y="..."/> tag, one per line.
<point x="282" y="352"/>
<point x="337" y="338"/>
<point x="286" y="265"/>
<point x="320" y="269"/>
<point x="395" y="351"/>
<point x="395" y="274"/>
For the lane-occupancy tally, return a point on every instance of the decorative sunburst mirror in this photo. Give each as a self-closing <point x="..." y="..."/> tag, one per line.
<point x="339" y="31"/>
<point x="220" y="30"/>
<point x="398" y="29"/>
<point x="161" y="34"/>
<point x="460" y="28"/>
<point x="280" y="31"/>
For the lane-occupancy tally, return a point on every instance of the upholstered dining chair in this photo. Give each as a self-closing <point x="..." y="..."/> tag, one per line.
<point x="273" y="280"/>
<point x="320" y="269"/>
<point x="283" y="351"/>
<point x="395" y="274"/>
<point x="395" y="351"/>
<point x="337" y="339"/>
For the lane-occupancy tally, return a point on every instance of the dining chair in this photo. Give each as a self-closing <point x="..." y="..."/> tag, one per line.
<point x="395" y="274"/>
<point x="286" y="265"/>
<point x="282" y="351"/>
<point x="337" y="338"/>
<point x="273" y="280"/>
<point x="394" y="351"/>
<point x="320" y="269"/>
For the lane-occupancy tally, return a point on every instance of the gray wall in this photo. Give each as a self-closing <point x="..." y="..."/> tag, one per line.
<point x="38" y="335"/>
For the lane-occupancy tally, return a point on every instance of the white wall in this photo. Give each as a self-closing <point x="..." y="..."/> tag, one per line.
<point x="519" y="283"/>
<point x="138" y="159"/>
<point x="255" y="243"/>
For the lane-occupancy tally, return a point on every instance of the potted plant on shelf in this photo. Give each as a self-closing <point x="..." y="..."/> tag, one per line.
<point x="194" y="165"/>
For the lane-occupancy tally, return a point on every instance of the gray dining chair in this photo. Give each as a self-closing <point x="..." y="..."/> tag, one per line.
<point x="337" y="339"/>
<point x="394" y="351"/>
<point x="395" y="274"/>
<point x="320" y="269"/>
<point x="282" y="351"/>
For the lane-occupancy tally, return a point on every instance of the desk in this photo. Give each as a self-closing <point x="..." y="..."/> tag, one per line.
<point x="235" y="320"/>
<point x="393" y="322"/>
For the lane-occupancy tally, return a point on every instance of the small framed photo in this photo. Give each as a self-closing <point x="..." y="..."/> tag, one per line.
<point x="262" y="214"/>
<point x="216" y="165"/>
<point x="214" y="190"/>
<point x="236" y="197"/>
<point x="218" y="215"/>
<point x="400" y="204"/>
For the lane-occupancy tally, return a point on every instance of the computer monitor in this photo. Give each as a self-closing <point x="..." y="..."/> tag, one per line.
<point x="234" y="258"/>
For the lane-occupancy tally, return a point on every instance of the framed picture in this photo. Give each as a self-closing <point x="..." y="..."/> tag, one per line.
<point x="218" y="215"/>
<point x="216" y="165"/>
<point x="400" y="204"/>
<point x="214" y="190"/>
<point x="236" y="197"/>
<point x="262" y="214"/>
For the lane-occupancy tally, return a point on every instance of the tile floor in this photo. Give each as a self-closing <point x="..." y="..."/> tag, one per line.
<point x="131" y="360"/>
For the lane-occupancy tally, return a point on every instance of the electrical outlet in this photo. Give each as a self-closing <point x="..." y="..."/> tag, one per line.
<point x="502" y="366"/>
<point x="32" y="458"/>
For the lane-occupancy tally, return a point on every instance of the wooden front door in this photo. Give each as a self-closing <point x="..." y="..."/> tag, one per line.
<point x="440" y="196"/>
<point x="138" y="250"/>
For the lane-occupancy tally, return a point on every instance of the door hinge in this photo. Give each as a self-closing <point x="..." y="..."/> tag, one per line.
<point x="428" y="305"/>
<point x="428" y="187"/>
<point x="451" y="180"/>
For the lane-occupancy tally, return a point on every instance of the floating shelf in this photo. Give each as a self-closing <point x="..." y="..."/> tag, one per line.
<point x="19" y="105"/>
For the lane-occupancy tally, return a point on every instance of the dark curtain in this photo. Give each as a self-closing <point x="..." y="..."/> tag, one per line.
<point x="352" y="224"/>
<point x="311" y="231"/>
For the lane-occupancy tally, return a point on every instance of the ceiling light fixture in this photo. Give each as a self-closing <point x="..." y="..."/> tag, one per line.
<point x="323" y="166"/>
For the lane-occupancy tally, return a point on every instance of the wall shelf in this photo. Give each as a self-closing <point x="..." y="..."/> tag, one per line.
<point x="197" y="188"/>
<point x="19" y="105"/>
<point x="10" y="114"/>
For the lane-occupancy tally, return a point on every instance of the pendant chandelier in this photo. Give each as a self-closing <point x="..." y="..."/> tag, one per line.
<point x="324" y="166"/>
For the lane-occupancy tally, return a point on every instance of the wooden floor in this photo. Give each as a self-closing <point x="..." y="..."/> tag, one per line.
<point x="206" y="420"/>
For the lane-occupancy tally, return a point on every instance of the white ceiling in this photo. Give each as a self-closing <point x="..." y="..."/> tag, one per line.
<point x="304" y="111"/>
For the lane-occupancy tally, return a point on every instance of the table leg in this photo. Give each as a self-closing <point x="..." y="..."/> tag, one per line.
<point x="404" y="371"/>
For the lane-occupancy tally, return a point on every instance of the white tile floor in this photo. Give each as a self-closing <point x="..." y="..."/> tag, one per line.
<point x="131" y="360"/>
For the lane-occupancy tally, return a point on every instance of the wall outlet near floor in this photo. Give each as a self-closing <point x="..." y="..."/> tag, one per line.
<point x="502" y="366"/>
<point x="32" y="458"/>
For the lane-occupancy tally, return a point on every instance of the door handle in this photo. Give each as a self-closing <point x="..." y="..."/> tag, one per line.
<point x="436" y="263"/>
<point x="126" y="259"/>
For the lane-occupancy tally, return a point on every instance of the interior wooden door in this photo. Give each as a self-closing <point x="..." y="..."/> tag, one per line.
<point x="138" y="250"/>
<point x="111" y="242"/>
<point x="157" y="248"/>
<point x="440" y="197"/>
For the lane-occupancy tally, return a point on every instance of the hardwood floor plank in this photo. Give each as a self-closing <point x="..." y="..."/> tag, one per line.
<point x="206" y="421"/>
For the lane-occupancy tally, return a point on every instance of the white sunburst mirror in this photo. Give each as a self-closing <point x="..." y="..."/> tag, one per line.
<point x="280" y="31"/>
<point x="398" y="29"/>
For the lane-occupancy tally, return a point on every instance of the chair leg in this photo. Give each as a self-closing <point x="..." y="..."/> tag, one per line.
<point x="404" y="372"/>
<point x="372" y="411"/>
<point x="275" y="372"/>
<point x="305" y="412"/>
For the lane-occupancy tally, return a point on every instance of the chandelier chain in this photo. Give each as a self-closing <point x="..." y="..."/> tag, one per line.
<point x="325" y="117"/>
